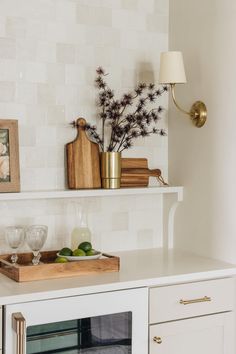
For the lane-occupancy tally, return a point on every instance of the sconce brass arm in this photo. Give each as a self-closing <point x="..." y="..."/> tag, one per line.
<point x="197" y="113"/>
<point x="172" y="86"/>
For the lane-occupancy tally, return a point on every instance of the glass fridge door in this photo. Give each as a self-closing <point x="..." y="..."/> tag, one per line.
<point x="114" y="322"/>
<point x="109" y="334"/>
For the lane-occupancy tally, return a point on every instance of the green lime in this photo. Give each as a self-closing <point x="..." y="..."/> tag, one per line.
<point x="61" y="260"/>
<point x="90" y="252"/>
<point x="85" y="246"/>
<point x="65" y="252"/>
<point x="79" y="253"/>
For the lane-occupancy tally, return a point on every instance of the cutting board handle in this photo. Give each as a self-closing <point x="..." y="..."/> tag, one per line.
<point x="83" y="164"/>
<point x="80" y="125"/>
<point x="81" y="122"/>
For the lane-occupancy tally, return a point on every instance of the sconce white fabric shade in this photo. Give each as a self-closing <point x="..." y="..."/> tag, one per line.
<point x="172" y="68"/>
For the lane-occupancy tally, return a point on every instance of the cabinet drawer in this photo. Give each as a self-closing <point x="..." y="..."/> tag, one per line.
<point x="192" y="299"/>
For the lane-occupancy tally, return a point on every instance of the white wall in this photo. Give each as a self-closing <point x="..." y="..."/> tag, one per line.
<point x="204" y="160"/>
<point x="49" y="50"/>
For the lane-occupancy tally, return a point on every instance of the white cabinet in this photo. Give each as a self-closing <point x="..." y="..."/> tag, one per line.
<point x="196" y="318"/>
<point x="200" y="335"/>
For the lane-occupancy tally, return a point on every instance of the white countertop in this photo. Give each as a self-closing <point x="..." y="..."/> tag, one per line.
<point x="141" y="268"/>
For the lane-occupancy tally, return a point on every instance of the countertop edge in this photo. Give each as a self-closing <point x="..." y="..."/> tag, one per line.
<point x="130" y="284"/>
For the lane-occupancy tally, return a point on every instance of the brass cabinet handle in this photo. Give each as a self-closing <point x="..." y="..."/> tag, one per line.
<point x="194" y="301"/>
<point x="19" y="326"/>
<point x="157" y="340"/>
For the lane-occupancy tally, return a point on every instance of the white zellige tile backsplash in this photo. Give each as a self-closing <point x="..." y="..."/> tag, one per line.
<point x="49" y="50"/>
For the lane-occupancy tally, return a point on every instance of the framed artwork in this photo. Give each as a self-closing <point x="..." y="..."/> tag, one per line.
<point x="9" y="156"/>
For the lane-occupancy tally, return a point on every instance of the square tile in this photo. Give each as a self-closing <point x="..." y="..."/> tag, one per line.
<point x="16" y="27"/>
<point x="55" y="73"/>
<point x="26" y="93"/>
<point x="7" y="91"/>
<point x="7" y="48"/>
<point x="120" y="221"/>
<point x="65" y="53"/>
<point x="46" y="94"/>
<point x="35" y="72"/>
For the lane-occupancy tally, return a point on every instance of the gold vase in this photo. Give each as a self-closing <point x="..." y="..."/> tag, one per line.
<point x="111" y="169"/>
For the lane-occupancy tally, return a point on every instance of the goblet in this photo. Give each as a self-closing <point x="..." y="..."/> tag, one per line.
<point x="14" y="236"/>
<point x="36" y="236"/>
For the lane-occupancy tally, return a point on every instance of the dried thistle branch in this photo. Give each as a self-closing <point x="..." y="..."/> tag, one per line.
<point x="126" y="126"/>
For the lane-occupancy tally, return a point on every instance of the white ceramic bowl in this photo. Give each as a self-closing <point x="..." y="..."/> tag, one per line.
<point x="81" y="258"/>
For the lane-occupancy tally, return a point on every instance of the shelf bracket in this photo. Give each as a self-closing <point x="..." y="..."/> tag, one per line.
<point x="170" y="205"/>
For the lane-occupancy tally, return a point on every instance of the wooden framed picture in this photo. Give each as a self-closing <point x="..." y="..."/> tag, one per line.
<point x="9" y="156"/>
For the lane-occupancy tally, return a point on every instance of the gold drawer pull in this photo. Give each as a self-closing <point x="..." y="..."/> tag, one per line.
<point x="194" y="301"/>
<point x="157" y="340"/>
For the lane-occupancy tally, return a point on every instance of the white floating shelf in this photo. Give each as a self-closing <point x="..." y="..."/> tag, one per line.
<point x="62" y="194"/>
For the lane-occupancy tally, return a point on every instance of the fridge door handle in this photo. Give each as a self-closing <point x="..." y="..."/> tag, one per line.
<point x="19" y="327"/>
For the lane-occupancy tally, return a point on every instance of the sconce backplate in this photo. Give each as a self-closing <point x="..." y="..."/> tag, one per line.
<point x="198" y="114"/>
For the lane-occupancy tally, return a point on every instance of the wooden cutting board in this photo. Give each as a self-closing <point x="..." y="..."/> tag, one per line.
<point x="83" y="163"/>
<point x="135" y="173"/>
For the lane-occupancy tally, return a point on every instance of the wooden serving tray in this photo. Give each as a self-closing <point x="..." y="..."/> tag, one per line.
<point x="24" y="271"/>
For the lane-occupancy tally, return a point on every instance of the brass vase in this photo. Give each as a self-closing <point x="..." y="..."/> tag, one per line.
<point x="111" y="169"/>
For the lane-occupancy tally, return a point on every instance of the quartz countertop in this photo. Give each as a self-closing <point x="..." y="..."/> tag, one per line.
<point x="139" y="268"/>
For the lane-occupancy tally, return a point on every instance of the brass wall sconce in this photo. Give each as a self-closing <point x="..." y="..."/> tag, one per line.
<point x="172" y="72"/>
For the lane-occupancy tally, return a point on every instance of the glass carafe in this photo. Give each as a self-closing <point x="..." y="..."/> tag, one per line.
<point x="80" y="232"/>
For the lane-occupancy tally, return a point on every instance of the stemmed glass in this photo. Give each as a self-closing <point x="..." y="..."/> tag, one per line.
<point x="15" y="236"/>
<point x="36" y="236"/>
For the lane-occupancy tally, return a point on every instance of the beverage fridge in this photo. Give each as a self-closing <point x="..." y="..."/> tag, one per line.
<point x="104" y="323"/>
